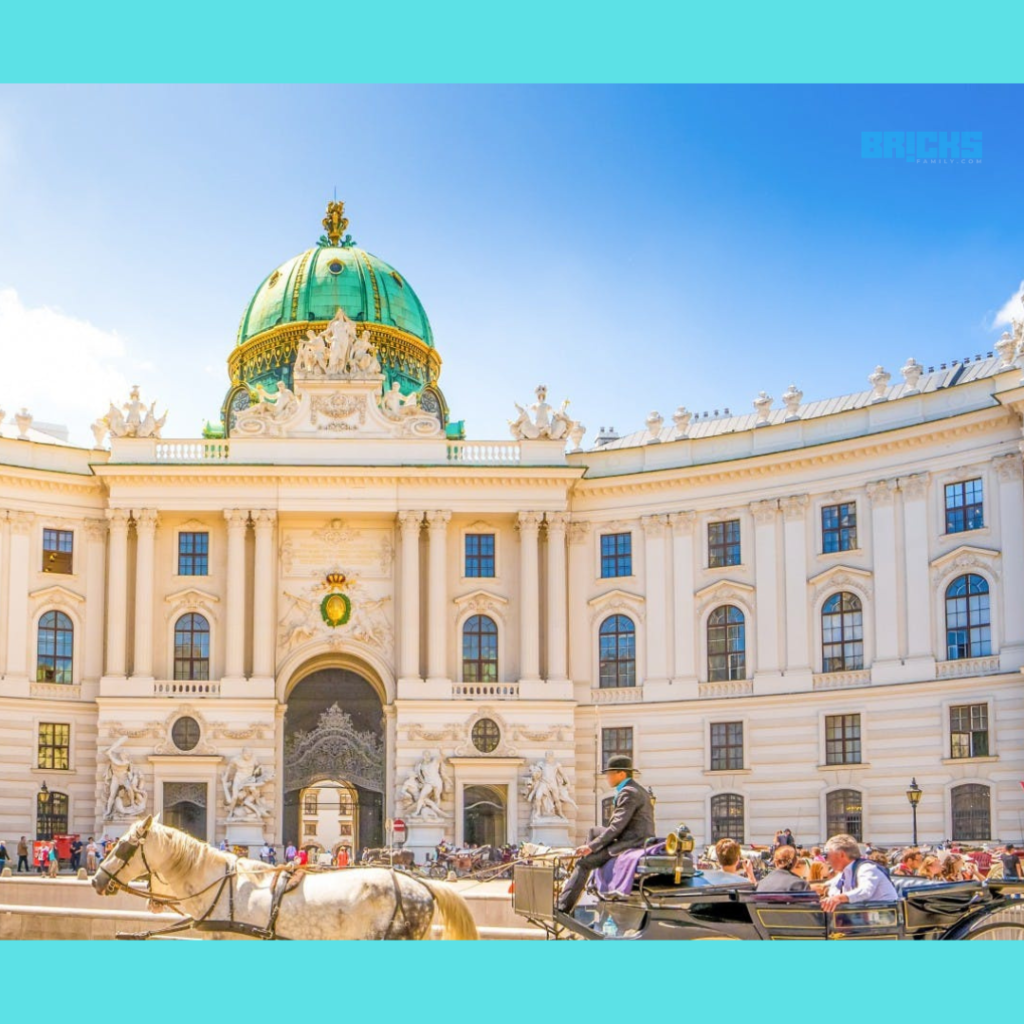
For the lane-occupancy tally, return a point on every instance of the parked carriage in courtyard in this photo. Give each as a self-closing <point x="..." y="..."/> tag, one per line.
<point x="669" y="899"/>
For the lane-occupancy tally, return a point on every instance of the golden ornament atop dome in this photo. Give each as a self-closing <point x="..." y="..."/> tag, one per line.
<point x="335" y="223"/>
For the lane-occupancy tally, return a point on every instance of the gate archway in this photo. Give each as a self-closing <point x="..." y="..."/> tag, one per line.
<point x="334" y="732"/>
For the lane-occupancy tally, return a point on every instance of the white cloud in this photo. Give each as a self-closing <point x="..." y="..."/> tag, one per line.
<point x="1011" y="308"/>
<point x="62" y="369"/>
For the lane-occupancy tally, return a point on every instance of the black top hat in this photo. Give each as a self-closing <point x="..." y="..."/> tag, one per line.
<point x="619" y="763"/>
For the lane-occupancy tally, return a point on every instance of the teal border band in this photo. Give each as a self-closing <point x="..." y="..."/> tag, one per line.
<point x="790" y="41"/>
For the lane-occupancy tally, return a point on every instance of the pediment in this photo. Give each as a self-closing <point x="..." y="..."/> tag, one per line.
<point x="967" y="555"/>
<point x="189" y="599"/>
<point x="480" y="597"/>
<point x="56" y="594"/>
<point x="615" y="596"/>
<point x="839" y="574"/>
<point x="724" y="588"/>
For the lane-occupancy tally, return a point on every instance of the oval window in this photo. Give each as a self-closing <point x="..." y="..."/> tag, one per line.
<point x="486" y="736"/>
<point x="185" y="733"/>
<point x="335" y="266"/>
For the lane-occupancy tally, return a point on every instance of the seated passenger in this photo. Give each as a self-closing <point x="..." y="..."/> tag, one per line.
<point x="909" y="862"/>
<point x="730" y="861"/>
<point x="785" y="877"/>
<point x="953" y="868"/>
<point x="931" y="868"/>
<point x="858" y="880"/>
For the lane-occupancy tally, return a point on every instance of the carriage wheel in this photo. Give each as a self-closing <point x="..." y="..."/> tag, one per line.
<point x="998" y="930"/>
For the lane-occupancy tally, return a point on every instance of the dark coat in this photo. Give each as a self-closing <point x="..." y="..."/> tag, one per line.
<point x="782" y="880"/>
<point x="632" y="821"/>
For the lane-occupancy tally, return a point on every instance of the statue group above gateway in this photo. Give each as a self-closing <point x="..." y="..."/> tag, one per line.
<point x="338" y="352"/>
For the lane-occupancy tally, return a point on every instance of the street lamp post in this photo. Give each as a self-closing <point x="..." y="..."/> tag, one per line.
<point x="914" y="796"/>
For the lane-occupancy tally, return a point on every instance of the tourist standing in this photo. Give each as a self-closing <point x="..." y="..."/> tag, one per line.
<point x="76" y="853"/>
<point x="22" y="854"/>
<point x="4" y="856"/>
<point x="91" y="850"/>
<point x="1011" y="862"/>
<point x="289" y="853"/>
<point x="52" y="862"/>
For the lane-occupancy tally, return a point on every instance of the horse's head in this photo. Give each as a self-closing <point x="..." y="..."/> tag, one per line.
<point x="123" y="864"/>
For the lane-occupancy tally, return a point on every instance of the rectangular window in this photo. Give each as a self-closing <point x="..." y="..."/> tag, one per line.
<point x="968" y="730"/>
<point x="54" y="746"/>
<point x="57" y="550"/>
<point x="726" y="746"/>
<point x="965" y="506"/>
<point x="616" y="555"/>
<point x="724" y="543"/>
<point x="309" y="828"/>
<point x="616" y="741"/>
<point x="310" y="803"/>
<point x="839" y="528"/>
<point x="480" y="555"/>
<point x="193" y="554"/>
<point x="842" y="739"/>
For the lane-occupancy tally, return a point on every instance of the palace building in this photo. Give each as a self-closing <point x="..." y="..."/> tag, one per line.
<point x="335" y="609"/>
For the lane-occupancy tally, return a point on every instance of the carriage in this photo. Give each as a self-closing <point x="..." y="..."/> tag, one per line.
<point x="669" y="899"/>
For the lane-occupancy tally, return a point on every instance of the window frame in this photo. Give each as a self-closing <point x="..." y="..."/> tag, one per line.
<point x="60" y="533"/>
<point x="191" y="659"/>
<point x="480" y="661"/>
<point x="622" y="663"/>
<point x="959" y="488"/>
<point x="612" y="750"/>
<point x="728" y="747"/>
<point x="725" y="545"/>
<point x="618" y="559"/>
<point x="832" y="826"/>
<point x="986" y="640"/>
<point x="54" y="654"/>
<point x="966" y="784"/>
<point x="729" y="796"/>
<point x="727" y="653"/>
<point x="53" y="747"/>
<point x="849" y="532"/>
<point x="50" y="818"/>
<point x="205" y="555"/>
<point x="479" y="535"/>
<point x="969" y="733"/>
<point x="844" y="741"/>
<point x="829" y="663"/>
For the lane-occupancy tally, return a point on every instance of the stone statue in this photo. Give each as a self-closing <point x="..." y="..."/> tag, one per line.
<point x="363" y="358"/>
<point x="132" y="419"/>
<point x="268" y="411"/>
<point x="99" y="431"/>
<point x="126" y="791"/>
<point x="243" y="783"/>
<point x="424" y="787"/>
<point x="340" y="335"/>
<point x="311" y="356"/>
<point x="397" y="406"/>
<point x="544" y="422"/>
<point x="548" y="789"/>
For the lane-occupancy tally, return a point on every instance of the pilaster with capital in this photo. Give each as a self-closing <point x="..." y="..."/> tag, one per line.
<point x="766" y="514"/>
<point x="20" y="546"/>
<point x="882" y="495"/>
<point x="1011" y="517"/>
<point x="917" y="585"/>
<point x="529" y="597"/>
<point x="117" y="591"/>
<point x="656" y="633"/>
<point x="95" y="583"/>
<point x="580" y="573"/>
<point x="410" y="524"/>
<point x="146" y="521"/>
<point x="557" y="596"/>
<point x="437" y="607"/>
<point x="264" y="603"/>
<point x="684" y="644"/>
<point x="794" y="528"/>
<point x="234" y="612"/>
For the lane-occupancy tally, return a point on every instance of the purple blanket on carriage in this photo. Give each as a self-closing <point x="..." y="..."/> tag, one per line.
<point x="616" y="877"/>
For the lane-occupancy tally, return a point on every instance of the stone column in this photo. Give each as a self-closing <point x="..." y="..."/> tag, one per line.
<point x="529" y="597"/>
<point x="656" y="631"/>
<point x="117" y="591"/>
<point x="17" y="593"/>
<point x="917" y="592"/>
<point x="683" y="612"/>
<point x="581" y="571"/>
<point x="766" y="580"/>
<point x="264" y="593"/>
<point x="145" y="532"/>
<point x="882" y="494"/>
<point x="409" y="653"/>
<point x="5" y="547"/>
<point x="557" y="609"/>
<point x="798" y="651"/>
<point x="1011" y="532"/>
<point x="95" y="573"/>
<point x="437" y="609"/>
<point x="234" y="617"/>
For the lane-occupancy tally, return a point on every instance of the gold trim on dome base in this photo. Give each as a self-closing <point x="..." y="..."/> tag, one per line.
<point x="397" y="350"/>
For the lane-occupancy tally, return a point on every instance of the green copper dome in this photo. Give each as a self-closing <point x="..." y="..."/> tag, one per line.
<point x="315" y="284"/>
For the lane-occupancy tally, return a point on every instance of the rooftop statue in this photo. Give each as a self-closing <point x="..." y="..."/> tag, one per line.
<point x="545" y="422"/>
<point x="338" y="352"/>
<point x="132" y="419"/>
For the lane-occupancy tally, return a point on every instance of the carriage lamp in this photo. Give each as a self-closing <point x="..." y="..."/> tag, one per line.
<point x="44" y="794"/>
<point x="914" y="797"/>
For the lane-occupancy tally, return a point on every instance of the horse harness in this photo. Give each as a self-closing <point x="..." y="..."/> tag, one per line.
<point x="289" y="877"/>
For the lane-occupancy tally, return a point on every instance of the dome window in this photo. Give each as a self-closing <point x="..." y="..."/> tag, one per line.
<point x="335" y="266"/>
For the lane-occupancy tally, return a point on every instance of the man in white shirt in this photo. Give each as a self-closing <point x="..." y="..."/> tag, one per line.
<point x="857" y="880"/>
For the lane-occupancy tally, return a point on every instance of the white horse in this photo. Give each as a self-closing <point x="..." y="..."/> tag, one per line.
<point x="232" y="896"/>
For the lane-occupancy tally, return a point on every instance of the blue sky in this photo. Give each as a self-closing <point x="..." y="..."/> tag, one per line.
<point x="633" y="248"/>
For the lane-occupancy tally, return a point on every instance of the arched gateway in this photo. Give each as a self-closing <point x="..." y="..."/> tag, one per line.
<point x="334" y="740"/>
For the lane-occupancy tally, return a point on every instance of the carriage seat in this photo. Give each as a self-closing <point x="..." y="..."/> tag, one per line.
<point x="907" y="884"/>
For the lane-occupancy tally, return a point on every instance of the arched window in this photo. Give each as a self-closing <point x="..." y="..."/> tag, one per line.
<point x="845" y="813"/>
<point x="727" y="645"/>
<point x="617" y="652"/>
<point x="192" y="647"/>
<point x="727" y="817"/>
<point x="972" y="812"/>
<point x="480" y="650"/>
<point x="54" y="648"/>
<point x="51" y="815"/>
<point x="968" y="624"/>
<point x="842" y="634"/>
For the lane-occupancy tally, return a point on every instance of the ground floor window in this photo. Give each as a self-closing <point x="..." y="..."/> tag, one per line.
<point x="845" y="813"/>
<point x="51" y="815"/>
<point x="727" y="817"/>
<point x="972" y="812"/>
<point x="484" y="816"/>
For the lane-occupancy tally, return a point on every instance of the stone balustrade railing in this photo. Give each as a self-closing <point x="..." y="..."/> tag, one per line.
<point x="841" y="680"/>
<point x="486" y="691"/>
<point x="967" y="667"/>
<point x="617" y="694"/>
<point x="186" y="688"/>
